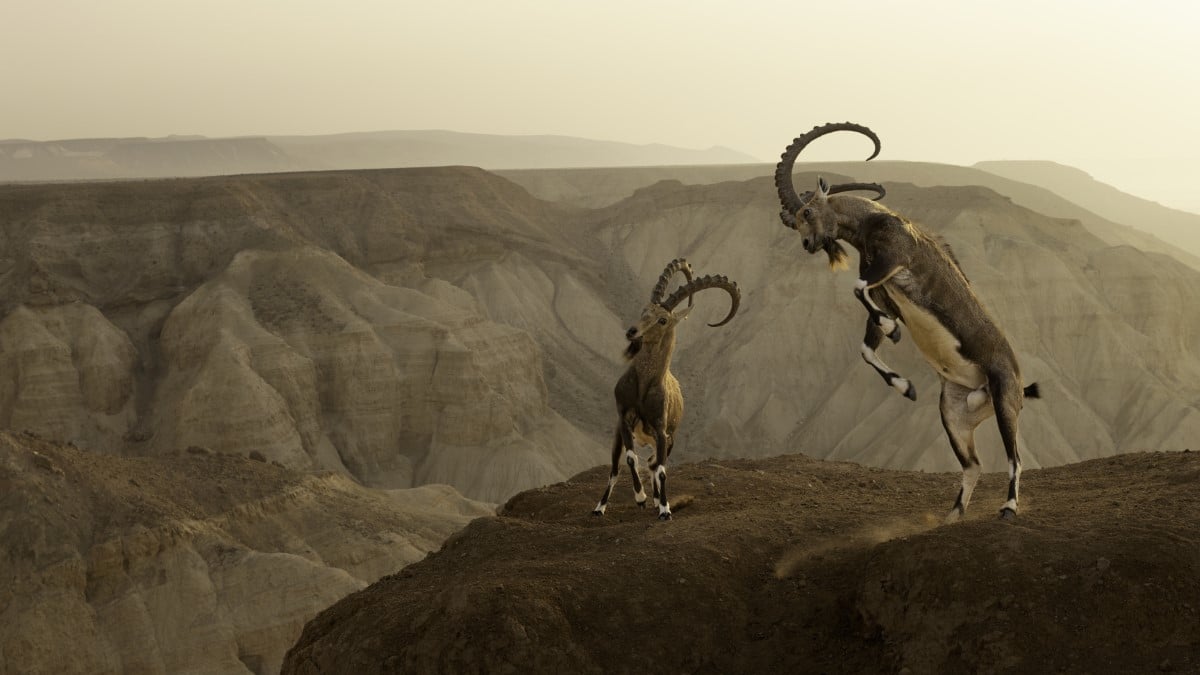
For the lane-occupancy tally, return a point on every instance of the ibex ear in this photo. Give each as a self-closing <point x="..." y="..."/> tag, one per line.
<point x="683" y="313"/>
<point x="823" y="186"/>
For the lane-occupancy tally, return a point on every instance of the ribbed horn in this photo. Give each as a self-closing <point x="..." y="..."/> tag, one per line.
<point x="676" y="265"/>
<point x="707" y="281"/>
<point x="783" y="170"/>
<point x="848" y="187"/>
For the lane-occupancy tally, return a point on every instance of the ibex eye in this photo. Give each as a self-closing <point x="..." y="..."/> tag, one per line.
<point x="663" y="321"/>
<point x="808" y="213"/>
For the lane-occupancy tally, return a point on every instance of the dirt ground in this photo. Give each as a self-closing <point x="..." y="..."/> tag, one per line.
<point x="791" y="564"/>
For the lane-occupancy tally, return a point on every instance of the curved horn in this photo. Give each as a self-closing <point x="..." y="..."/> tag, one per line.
<point x="707" y="281"/>
<point x="847" y="187"/>
<point x="783" y="170"/>
<point x="676" y="265"/>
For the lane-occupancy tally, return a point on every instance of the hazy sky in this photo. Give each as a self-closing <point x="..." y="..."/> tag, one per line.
<point x="1110" y="87"/>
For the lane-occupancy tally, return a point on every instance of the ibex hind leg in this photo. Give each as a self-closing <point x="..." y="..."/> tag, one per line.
<point x="1007" y="399"/>
<point x="960" y="416"/>
<point x="618" y="446"/>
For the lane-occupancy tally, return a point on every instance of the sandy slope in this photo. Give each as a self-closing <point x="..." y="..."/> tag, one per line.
<point x="191" y="562"/>
<point x="792" y="564"/>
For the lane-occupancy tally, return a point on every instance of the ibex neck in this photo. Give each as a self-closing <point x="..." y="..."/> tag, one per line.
<point x="851" y="212"/>
<point x="653" y="362"/>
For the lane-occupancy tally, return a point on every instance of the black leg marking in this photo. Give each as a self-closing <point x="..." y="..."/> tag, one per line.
<point x="871" y="341"/>
<point x="618" y="446"/>
<point x="599" y="510"/>
<point x="660" y="473"/>
<point x="886" y="323"/>
<point x="639" y="494"/>
<point x="664" y="509"/>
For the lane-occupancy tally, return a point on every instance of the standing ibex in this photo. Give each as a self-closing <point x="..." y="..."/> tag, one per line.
<point x="649" y="401"/>
<point x="908" y="274"/>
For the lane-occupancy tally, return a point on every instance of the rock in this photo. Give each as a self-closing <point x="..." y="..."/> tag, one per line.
<point x="317" y="365"/>
<point x="42" y="462"/>
<point x="196" y="562"/>
<point x="66" y="372"/>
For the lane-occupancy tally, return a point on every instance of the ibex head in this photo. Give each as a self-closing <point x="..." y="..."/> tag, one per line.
<point x="659" y="317"/>
<point x="810" y="213"/>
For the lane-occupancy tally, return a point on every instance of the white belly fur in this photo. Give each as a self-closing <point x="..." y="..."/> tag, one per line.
<point x="939" y="347"/>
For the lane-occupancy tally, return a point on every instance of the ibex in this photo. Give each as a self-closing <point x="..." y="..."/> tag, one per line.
<point x="649" y="400"/>
<point x="911" y="275"/>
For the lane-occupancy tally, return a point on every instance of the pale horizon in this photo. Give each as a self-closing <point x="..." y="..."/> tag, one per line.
<point x="1109" y="88"/>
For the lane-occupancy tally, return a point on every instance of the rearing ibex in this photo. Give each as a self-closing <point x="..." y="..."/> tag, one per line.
<point x="649" y="401"/>
<point x="908" y="274"/>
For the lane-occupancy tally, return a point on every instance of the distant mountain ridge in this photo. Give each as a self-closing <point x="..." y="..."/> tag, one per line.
<point x="1169" y="224"/>
<point x="1114" y="216"/>
<point x="186" y="156"/>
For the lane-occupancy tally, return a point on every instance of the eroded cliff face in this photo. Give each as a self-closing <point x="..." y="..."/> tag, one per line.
<point x="288" y="316"/>
<point x="193" y="562"/>
<point x="67" y="372"/>
<point x="442" y="325"/>
<point x="319" y="365"/>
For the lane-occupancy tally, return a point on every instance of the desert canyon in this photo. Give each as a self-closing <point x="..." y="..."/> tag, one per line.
<point x="230" y="402"/>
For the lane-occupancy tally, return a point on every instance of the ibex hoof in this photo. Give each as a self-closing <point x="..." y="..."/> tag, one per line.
<point x="642" y="504"/>
<point x="597" y="512"/>
<point x="1007" y="514"/>
<point x="894" y="336"/>
<point x="911" y="392"/>
<point x="664" y="516"/>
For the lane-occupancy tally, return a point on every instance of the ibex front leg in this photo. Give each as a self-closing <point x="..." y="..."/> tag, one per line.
<point x="874" y="269"/>
<point x="871" y="342"/>
<point x="622" y="444"/>
<point x="887" y="324"/>
<point x="862" y="291"/>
